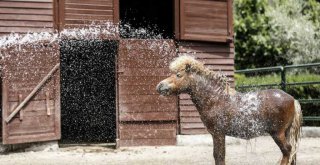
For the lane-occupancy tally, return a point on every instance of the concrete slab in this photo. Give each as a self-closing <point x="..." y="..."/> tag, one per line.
<point x="39" y="146"/>
<point x="311" y="132"/>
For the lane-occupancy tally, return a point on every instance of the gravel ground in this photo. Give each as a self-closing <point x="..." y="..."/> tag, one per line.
<point x="260" y="151"/>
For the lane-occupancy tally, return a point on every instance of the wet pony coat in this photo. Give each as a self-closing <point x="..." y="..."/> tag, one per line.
<point x="243" y="115"/>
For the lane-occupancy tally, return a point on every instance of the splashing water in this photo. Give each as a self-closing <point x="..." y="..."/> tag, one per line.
<point x="248" y="108"/>
<point x="93" y="31"/>
<point x="127" y="31"/>
<point x="250" y="102"/>
<point x="29" y="38"/>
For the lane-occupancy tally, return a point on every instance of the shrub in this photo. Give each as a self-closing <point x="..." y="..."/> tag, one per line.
<point x="276" y="32"/>
<point x="253" y="45"/>
<point x="294" y="31"/>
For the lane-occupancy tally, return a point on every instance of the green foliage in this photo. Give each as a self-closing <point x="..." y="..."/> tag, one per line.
<point x="312" y="8"/>
<point x="276" y="32"/>
<point x="253" y="45"/>
<point x="294" y="30"/>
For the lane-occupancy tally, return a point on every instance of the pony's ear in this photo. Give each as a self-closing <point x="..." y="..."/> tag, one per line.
<point x="188" y="68"/>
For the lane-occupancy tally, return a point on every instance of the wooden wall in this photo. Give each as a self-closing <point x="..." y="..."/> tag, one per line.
<point x="206" y="20"/>
<point x="145" y="118"/>
<point x="26" y="16"/>
<point x="216" y="56"/>
<point x="24" y="66"/>
<point x="22" y="16"/>
<point x="75" y="13"/>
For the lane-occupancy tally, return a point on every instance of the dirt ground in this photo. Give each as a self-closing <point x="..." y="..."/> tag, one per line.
<point x="259" y="151"/>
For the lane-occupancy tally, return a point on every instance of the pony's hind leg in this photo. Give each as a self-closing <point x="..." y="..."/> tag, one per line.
<point x="294" y="160"/>
<point x="294" y="157"/>
<point x="284" y="146"/>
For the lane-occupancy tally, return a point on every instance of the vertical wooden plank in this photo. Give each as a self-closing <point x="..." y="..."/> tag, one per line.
<point x="177" y="19"/>
<point x="231" y="54"/>
<point x="230" y="19"/>
<point x="116" y="11"/>
<point x="57" y="106"/>
<point x="56" y="15"/>
<point x="5" y="107"/>
<point x="61" y="14"/>
<point x="182" y="19"/>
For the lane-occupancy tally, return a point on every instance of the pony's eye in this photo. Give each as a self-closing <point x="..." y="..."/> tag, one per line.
<point x="179" y="75"/>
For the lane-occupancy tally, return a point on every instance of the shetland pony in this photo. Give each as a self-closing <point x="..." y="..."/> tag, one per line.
<point x="242" y="115"/>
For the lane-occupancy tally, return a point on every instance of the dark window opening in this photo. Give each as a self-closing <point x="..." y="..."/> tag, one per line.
<point x="88" y="91"/>
<point x="154" y="16"/>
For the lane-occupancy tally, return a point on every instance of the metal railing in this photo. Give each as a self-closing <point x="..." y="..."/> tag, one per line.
<point x="283" y="83"/>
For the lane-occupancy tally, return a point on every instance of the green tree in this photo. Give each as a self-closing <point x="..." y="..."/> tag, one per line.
<point x="294" y="24"/>
<point x="253" y="44"/>
<point x="276" y="32"/>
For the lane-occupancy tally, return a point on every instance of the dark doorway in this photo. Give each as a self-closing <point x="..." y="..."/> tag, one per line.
<point x="154" y="16"/>
<point x="88" y="91"/>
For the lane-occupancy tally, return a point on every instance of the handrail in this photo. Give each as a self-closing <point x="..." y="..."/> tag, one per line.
<point x="283" y="70"/>
<point x="258" y="85"/>
<point x="276" y="68"/>
<point x="302" y="65"/>
<point x="311" y="118"/>
<point x="34" y="91"/>
<point x="304" y="83"/>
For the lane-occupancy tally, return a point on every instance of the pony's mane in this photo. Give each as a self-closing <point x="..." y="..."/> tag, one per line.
<point x="195" y="66"/>
<point x="181" y="63"/>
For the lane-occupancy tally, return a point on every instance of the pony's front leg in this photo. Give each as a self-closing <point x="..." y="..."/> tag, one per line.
<point x="219" y="148"/>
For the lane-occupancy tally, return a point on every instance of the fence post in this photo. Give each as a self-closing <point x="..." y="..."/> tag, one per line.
<point x="283" y="78"/>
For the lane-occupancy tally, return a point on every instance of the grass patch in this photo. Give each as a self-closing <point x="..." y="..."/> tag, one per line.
<point x="241" y="79"/>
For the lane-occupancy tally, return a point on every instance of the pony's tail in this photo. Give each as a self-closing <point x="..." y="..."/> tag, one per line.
<point x="295" y="132"/>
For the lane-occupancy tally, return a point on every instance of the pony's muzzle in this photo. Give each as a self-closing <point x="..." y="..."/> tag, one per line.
<point x="163" y="88"/>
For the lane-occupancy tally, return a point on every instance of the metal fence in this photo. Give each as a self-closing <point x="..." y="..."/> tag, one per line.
<point x="283" y="82"/>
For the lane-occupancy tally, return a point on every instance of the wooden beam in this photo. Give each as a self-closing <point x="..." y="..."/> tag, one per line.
<point x="34" y="91"/>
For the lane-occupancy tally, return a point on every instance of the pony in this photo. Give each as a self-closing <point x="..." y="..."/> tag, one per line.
<point x="241" y="115"/>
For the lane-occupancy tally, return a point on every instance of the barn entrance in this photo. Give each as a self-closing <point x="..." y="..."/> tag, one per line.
<point x="88" y="91"/>
<point x="144" y="19"/>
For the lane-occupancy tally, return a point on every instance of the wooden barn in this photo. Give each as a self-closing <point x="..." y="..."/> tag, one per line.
<point x="104" y="90"/>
